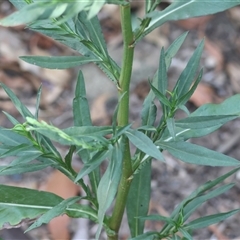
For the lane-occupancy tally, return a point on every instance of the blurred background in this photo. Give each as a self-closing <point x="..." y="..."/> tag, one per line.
<point x="170" y="182"/>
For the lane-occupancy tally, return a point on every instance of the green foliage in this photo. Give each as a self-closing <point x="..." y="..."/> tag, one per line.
<point x="126" y="182"/>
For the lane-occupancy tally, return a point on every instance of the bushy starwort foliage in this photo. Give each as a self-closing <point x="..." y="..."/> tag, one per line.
<point x="125" y="185"/>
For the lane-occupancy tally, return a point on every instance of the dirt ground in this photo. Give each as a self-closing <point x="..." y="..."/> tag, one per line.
<point x="171" y="182"/>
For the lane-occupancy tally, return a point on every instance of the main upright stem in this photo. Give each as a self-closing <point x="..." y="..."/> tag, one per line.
<point x="123" y="114"/>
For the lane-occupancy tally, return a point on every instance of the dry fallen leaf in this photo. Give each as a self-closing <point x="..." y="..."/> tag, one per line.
<point x="215" y="52"/>
<point x="233" y="70"/>
<point x="203" y="94"/>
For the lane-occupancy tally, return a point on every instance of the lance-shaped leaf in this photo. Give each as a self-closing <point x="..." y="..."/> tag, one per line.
<point x="10" y="138"/>
<point x="183" y="9"/>
<point x="39" y="10"/>
<point x="18" y="4"/>
<point x="60" y="62"/>
<point x="162" y="74"/>
<point x="209" y="220"/>
<point x="192" y="205"/>
<point x="187" y="76"/>
<point x="108" y="185"/>
<point x="60" y="136"/>
<point x="13" y="120"/>
<point x="17" y="103"/>
<point x="146" y="236"/>
<point x="91" y="165"/>
<point x="200" y="122"/>
<point x="228" y="107"/>
<point x="85" y="131"/>
<point x="221" y="113"/>
<point x="23" y="168"/>
<point x="94" y="30"/>
<point x="18" y="204"/>
<point x="81" y="113"/>
<point x="144" y="143"/>
<point x="148" y="108"/>
<point x="56" y="211"/>
<point x="139" y="191"/>
<point x="90" y="30"/>
<point x="160" y="218"/>
<point x="81" y="116"/>
<point x="173" y="48"/>
<point x="191" y="153"/>
<point x="197" y="196"/>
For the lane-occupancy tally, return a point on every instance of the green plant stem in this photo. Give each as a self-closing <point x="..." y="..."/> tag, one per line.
<point x="123" y="114"/>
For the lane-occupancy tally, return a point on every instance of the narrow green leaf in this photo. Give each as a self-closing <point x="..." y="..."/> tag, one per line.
<point x="146" y="236"/>
<point x="23" y="168"/>
<point x="115" y="115"/>
<point x="147" y="128"/>
<point x="148" y="114"/>
<point x="95" y="8"/>
<point x="59" y="62"/>
<point x="95" y="161"/>
<point x="17" y="103"/>
<point x="148" y="5"/>
<point x="69" y="156"/>
<point x="39" y="10"/>
<point x="13" y="120"/>
<point x="186" y="9"/>
<point x="63" y="33"/>
<point x="25" y="15"/>
<point x="175" y="237"/>
<point x="81" y="116"/>
<point x="86" y="131"/>
<point x="209" y="220"/>
<point x="108" y="185"/>
<point x="56" y="211"/>
<point x="26" y="158"/>
<point x="47" y="144"/>
<point x="81" y="111"/>
<point x="228" y="107"/>
<point x="197" y="193"/>
<point x="186" y="78"/>
<point x="21" y="150"/>
<point x="200" y="122"/>
<point x="19" y="204"/>
<point x="162" y="74"/>
<point x="171" y="127"/>
<point x="82" y="211"/>
<point x="149" y="111"/>
<point x="10" y="138"/>
<point x="140" y="192"/>
<point x="18" y="4"/>
<point x="60" y="136"/>
<point x="93" y="28"/>
<point x="182" y="100"/>
<point x="162" y="98"/>
<point x="186" y="234"/>
<point x="38" y="101"/>
<point x="143" y="143"/>
<point x="192" y="205"/>
<point x="160" y="218"/>
<point x="122" y="130"/>
<point x="173" y="49"/>
<point x="191" y="153"/>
